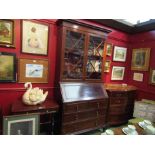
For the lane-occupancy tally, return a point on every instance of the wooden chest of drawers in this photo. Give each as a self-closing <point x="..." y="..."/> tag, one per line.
<point x="121" y="103"/>
<point x="83" y="116"/>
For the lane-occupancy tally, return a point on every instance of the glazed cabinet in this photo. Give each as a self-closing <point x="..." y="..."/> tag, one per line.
<point x="121" y="103"/>
<point x="80" y="52"/>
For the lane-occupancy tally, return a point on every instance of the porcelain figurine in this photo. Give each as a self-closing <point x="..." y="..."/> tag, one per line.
<point x="33" y="96"/>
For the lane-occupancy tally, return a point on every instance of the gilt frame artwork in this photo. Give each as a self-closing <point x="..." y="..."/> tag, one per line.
<point x="35" y="36"/>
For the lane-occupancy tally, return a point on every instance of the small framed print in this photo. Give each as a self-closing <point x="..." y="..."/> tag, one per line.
<point x="21" y="124"/>
<point x="7" y="67"/>
<point x="109" y="48"/>
<point x="7" y="33"/>
<point x="34" y="37"/>
<point x="117" y="73"/>
<point x="152" y="76"/>
<point x="140" y="59"/>
<point x="119" y="54"/>
<point x="138" y="77"/>
<point x="33" y="70"/>
<point x="107" y="66"/>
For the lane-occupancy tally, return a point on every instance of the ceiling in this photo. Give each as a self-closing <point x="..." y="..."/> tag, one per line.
<point x="119" y="24"/>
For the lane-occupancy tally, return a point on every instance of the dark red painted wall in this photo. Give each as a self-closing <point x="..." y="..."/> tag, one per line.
<point x="10" y="92"/>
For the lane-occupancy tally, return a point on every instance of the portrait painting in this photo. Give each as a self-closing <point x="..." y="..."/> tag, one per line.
<point x="117" y="73"/>
<point x="7" y="67"/>
<point x="119" y="54"/>
<point x="140" y="59"/>
<point x="34" y="37"/>
<point x="6" y="33"/>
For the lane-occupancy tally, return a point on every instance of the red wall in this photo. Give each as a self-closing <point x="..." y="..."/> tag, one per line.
<point x="10" y="92"/>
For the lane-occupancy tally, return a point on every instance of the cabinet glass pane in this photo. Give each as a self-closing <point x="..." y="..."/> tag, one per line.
<point x="95" y="58"/>
<point x="74" y="55"/>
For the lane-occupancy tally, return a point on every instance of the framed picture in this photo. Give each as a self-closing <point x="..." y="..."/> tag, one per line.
<point x="32" y="70"/>
<point x="152" y="76"/>
<point x="21" y="124"/>
<point x="117" y="73"/>
<point x="138" y="77"/>
<point x="109" y="47"/>
<point x="119" y="54"/>
<point x="34" y="37"/>
<point x="7" y="67"/>
<point x="107" y="66"/>
<point x="140" y="59"/>
<point x="7" y="33"/>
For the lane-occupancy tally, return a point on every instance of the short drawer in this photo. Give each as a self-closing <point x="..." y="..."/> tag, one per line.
<point x="87" y="114"/>
<point x="117" y="110"/>
<point x="87" y="106"/>
<point x="70" y="108"/>
<point x="118" y="101"/>
<point x="69" y="118"/>
<point x="118" y="94"/>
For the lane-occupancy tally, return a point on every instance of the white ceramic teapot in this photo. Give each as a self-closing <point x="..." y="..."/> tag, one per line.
<point x="33" y="96"/>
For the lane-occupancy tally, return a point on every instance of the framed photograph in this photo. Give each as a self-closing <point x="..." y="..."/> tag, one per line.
<point x="32" y="70"/>
<point x="7" y="67"/>
<point x="140" y="59"/>
<point x="21" y="124"/>
<point x="138" y="77"/>
<point x="107" y="66"/>
<point x="7" y="33"/>
<point x="109" y="48"/>
<point x="34" y="37"/>
<point x="117" y="73"/>
<point x="152" y="76"/>
<point x="119" y="54"/>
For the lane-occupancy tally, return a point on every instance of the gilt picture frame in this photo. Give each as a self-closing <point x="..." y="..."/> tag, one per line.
<point x="117" y="73"/>
<point x="7" y="33"/>
<point x="152" y="76"/>
<point x="140" y="59"/>
<point x="119" y="54"/>
<point x="33" y="70"/>
<point x="107" y="66"/>
<point x="109" y="48"/>
<point x="7" y="67"/>
<point x="21" y="124"/>
<point x="35" y="36"/>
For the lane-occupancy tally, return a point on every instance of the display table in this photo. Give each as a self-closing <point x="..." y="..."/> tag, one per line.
<point x="46" y="111"/>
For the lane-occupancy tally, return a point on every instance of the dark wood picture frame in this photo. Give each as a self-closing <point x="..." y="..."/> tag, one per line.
<point x="33" y="70"/>
<point x="21" y="124"/>
<point x="152" y="76"/>
<point x="34" y="41"/>
<point x="7" y="67"/>
<point x="7" y="33"/>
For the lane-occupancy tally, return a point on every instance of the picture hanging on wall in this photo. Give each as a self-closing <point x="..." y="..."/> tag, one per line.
<point x="140" y="59"/>
<point x="32" y="70"/>
<point x="119" y="54"/>
<point x="107" y="66"/>
<point x="34" y="37"/>
<point x="117" y="73"/>
<point x="138" y="77"/>
<point x="152" y="76"/>
<point x="7" y="33"/>
<point x="109" y="47"/>
<point x="7" y="67"/>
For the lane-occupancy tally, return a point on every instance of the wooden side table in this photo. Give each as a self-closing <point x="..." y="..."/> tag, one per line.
<point x="46" y="111"/>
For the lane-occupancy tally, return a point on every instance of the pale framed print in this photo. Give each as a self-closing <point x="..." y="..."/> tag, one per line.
<point x="35" y="37"/>
<point x="152" y="76"/>
<point x="109" y="48"/>
<point x="140" y="59"/>
<point x="7" y="33"/>
<point x="107" y="66"/>
<point x="32" y="70"/>
<point x="138" y="77"/>
<point x="21" y="124"/>
<point x="117" y="73"/>
<point x="119" y="54"/>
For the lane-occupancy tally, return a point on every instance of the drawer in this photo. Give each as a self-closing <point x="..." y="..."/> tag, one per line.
<point x="118" y="101"/>
<point x="70" y="108"/>
<point x="87" y="106"/>
<point x="101" y="121"/>
<point x="118" y="94"/>
<point x="103" y="104"/>
<point x="87" y="115"/>
<point x="69" y="118"/>
<point x="68" y="128"/>
<point x="117" y="110"/>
